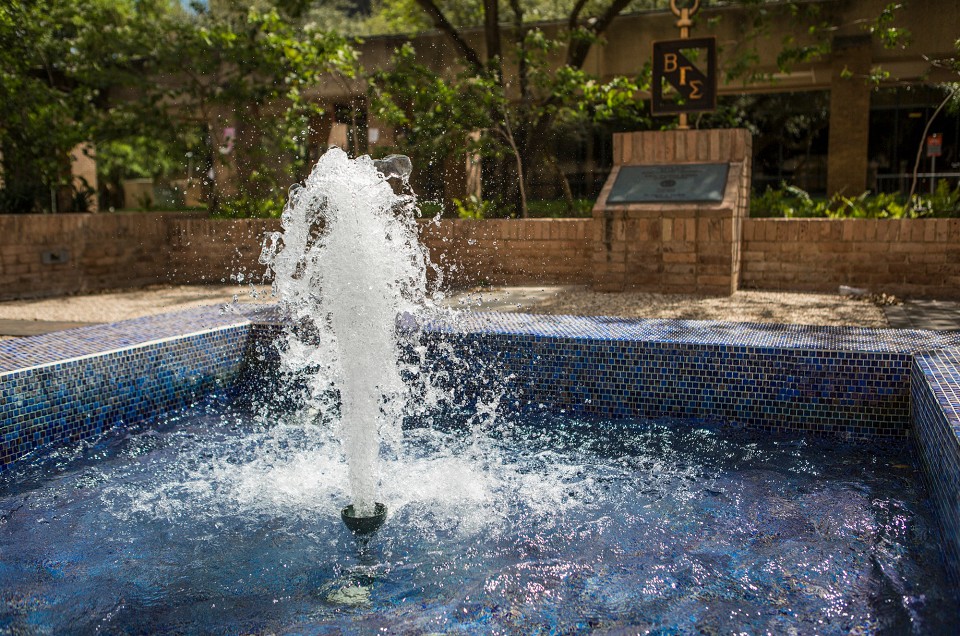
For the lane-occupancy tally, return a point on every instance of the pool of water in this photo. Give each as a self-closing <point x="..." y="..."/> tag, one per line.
<point x="226" y="520"/>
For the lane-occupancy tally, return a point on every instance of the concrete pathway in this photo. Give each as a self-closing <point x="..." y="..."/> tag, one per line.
<point x="924" y="314"/>
<point x="21" y="328"/>
<point x="34" y="317"/>
<point x="913" y="314"/>
<point x="506" y="298"/>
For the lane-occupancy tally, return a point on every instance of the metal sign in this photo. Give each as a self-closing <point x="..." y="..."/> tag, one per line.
<point x="684" y="76"/>
<point x="934" y="145"/>
<point x="705" y="182"/>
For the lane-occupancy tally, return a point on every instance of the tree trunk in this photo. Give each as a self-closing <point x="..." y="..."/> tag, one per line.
<point x="491" y="30"/>
<point x="923" y="140"/>
<point x="442" y="24"/>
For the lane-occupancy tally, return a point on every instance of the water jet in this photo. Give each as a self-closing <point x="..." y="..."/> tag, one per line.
<point x="345" y="266"/>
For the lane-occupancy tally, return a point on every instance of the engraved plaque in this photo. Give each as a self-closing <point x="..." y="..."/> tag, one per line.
<point x="698" y="182"/>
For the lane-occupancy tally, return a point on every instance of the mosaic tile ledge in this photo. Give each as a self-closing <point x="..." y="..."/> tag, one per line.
<point x="935" y="413"/>
<point x="97" y="339"/>
<point x="941" y="371"/>
<point x="852" y="382"/>
<point x="58" y="346"/>
<point x="80" y="398"/>
<point x="700" y="332"/>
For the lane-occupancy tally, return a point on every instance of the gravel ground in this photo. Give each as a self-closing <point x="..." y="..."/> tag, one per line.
<point x="122" y="305"/>
<point x="744" y="306"/>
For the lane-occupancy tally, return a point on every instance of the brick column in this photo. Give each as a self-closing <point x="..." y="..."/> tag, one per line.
<point x="849" y="116"/>
<point x="674" y="247"/>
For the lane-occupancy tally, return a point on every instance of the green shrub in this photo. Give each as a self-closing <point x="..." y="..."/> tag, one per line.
<point x="868" y="206"/>
<point x="558" y="209"/>
<point x="430" y="209"/>
<point x="245" y="206"/>
<point x="944" y="202"/>
<point x="788" y="202"/>
<point x="473" y="207"/>
<point x="791" y="202"/>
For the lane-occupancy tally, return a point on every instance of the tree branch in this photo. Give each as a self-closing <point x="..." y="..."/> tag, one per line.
<point x="440" y="22"/>
<point x="521" y="39"/>
<point x="507" y="133"/>
<point x="580" y="46"/>
<point x="575" y="14"/>
<point x="923" y="141"/>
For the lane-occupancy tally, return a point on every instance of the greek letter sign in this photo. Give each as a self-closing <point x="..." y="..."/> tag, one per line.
<point x="684" y="76"/>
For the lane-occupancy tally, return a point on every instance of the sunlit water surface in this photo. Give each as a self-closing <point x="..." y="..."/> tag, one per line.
<point x="222" y="521"/>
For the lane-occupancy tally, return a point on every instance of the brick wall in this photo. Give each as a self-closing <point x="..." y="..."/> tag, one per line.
<point x="110" y="251"/>
<point x="213" y="250"/>
<point x="468" y="252"/>
<point x="515" y="251"/>
<point x="906" y="257"/>
<point x="50" y="255"/>
<point x="849" y="137"/>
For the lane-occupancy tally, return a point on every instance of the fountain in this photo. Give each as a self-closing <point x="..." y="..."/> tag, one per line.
<point x="346" y="264"/>
<point x="567" y="474"/>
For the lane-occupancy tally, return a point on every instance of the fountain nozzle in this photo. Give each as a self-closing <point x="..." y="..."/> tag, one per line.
<point x="364" y="525"/>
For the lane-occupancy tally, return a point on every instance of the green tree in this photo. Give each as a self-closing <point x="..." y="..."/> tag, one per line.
<point x="60" y="62"/>
<point x="146" y="76"/>
<point x="538" y="99"/>
<point x="248" y="71"/>
<point x="516" y="115"/>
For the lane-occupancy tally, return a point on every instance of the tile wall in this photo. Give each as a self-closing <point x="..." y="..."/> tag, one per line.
<point x="935" y="409"/>
<point x="76" y="384"/>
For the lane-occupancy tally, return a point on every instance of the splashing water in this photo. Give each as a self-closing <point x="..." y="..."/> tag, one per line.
<point x="346" y="265"/>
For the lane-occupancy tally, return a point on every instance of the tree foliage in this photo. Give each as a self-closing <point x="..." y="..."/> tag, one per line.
<point x="248" y="72"/>
<point x="544" y="91"/>
<point x="148" y="76"/>
<point x="59" y="62"/>
<point x="516" y="114"/>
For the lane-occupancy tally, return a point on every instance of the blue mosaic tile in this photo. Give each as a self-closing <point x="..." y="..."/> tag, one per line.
<point x="20" y="353"/>
<point x="849" y="382"/>
<point x="701" y="332"/>
<point x="935" y="410"/>
<point x="76" y="384"/>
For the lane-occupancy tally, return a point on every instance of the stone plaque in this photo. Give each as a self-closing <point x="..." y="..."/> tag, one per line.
<point x="697" y="182"/>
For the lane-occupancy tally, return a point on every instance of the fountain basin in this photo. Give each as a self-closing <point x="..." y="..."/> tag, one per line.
<point x="862" y="386"/>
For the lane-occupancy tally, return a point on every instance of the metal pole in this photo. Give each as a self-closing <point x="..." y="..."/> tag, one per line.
<point x="684" y="23"/>
<point x="933" y="172"/>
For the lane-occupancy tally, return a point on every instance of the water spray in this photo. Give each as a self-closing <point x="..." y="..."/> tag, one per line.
<point x="347" y="263"/>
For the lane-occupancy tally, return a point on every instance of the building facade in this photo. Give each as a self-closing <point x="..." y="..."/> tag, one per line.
<point x="850" y="118"/>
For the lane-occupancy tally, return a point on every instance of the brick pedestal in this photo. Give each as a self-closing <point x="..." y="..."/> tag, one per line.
<point x="673" y="247"/>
